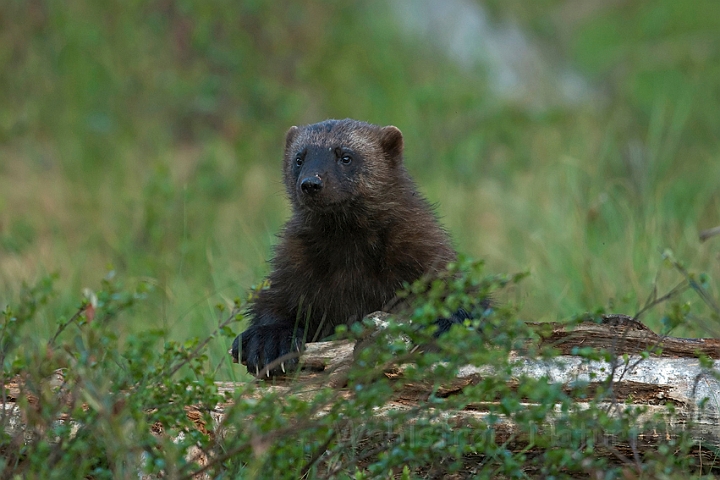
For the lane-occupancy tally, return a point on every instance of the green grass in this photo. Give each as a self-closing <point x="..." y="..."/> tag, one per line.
<point x="148" y="139"/>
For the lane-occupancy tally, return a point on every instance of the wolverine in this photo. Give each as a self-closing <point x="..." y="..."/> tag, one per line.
<point x="358" y="232"/>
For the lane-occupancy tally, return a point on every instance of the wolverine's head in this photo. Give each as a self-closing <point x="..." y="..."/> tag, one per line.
<point x="336" y="162"/>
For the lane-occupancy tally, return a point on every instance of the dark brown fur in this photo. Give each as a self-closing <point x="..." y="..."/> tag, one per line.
<point x="359" y="230"/>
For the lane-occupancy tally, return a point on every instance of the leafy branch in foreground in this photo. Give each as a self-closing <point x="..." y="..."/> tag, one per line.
<point x="93" y="403"/>
<point x="98" y="405"/>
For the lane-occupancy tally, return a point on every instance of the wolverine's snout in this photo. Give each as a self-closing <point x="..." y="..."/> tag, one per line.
<point x="311" y="185"/>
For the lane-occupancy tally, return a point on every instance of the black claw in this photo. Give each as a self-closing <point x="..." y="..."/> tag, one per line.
<point x="235" y="349"/>
<point x="260" y="346"/>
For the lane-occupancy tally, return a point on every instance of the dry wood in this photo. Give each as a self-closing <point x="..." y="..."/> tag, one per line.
<point x="670" y="375"/>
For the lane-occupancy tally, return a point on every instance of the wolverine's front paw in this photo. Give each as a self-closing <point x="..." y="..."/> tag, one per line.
<point x="445" y="324"/>
<point x="268" y="350"/>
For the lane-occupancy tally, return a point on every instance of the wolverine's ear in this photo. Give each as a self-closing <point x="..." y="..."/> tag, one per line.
<point x="391" y="140"/>
<point x="290" y="136"/>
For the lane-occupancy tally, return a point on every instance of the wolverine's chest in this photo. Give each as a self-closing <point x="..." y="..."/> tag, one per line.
<point x="347" y="272"/>
<point x="348" y="261"/>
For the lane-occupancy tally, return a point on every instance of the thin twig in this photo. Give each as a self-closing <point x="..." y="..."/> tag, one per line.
<point x="652" y="302"/>
<point x="704" y="295"/>
<point x="72" y="319"/>
<point x="318" y="453"/>
<point x="248" y="444"/>
<point x="235" y="311"/>
<point x="711" y="232"/>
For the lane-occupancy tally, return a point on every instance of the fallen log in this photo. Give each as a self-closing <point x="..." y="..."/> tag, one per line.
<point x="647" y="371"/>
<point x="663" y="376"/>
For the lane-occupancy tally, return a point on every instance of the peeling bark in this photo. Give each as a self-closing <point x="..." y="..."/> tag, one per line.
<point x="670" y="376"/>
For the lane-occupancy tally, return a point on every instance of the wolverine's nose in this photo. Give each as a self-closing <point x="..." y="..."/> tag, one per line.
<point x="311" y="185"/>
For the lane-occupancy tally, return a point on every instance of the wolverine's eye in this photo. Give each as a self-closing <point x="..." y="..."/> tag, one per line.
<point x="298" y="161"/>
<point x="346" y="159"/>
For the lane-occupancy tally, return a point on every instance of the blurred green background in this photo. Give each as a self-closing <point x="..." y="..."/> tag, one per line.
<point x="576" y="139"/>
